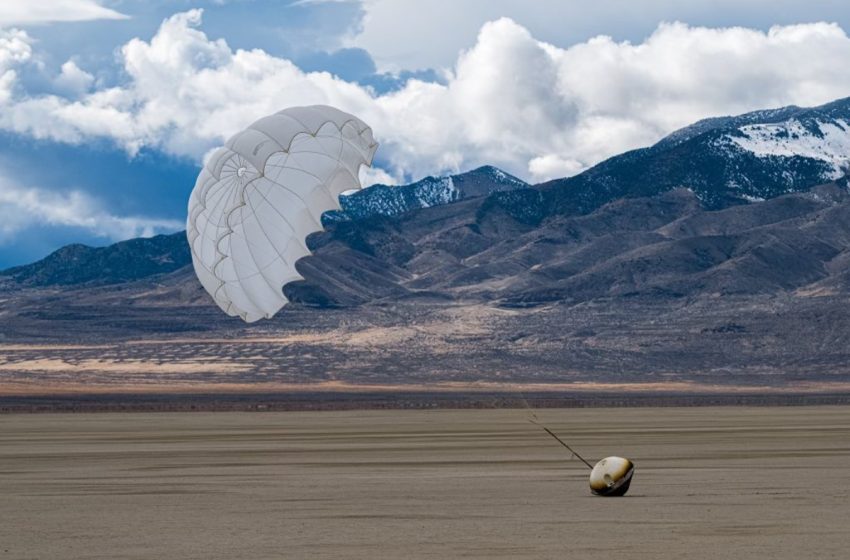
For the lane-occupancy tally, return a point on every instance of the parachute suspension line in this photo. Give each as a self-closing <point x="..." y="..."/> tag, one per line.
<point x="528" y="407"/>
<point x="536" y="422"/>
<point x="559" y="440"/>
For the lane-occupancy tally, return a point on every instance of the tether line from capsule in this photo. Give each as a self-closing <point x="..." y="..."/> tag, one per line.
<point x="559" y="440"/>
<point x="536" y="422"/>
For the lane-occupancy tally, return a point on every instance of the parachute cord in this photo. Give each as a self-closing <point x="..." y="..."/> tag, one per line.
<point x="536" y="422"/>
<point x="528" y="407"/>
<point x="571" y="450"/>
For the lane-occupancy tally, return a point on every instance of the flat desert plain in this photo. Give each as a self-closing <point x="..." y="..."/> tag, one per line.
<point x="709" y="483"/>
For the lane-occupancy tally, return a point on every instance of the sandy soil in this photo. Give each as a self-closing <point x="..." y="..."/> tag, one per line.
<point x="710" y="483"/>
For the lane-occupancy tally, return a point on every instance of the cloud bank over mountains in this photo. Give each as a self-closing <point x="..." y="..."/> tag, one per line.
<point x="536" y="109"/>
<point x="21" y="208"/>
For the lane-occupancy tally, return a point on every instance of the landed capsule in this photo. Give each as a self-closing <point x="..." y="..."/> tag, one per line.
<point x="611" y="476"/>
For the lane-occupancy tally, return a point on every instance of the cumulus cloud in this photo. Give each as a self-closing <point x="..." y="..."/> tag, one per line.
<point x="23" y="12"/>
<point x="550" y="166"/>
<point x="375" y="175"/>
<point x="73" y="80"/>
<point x="15" y="49"/>
<point x="536" y="109"/>
<point x="389" y="27"/>
<point x="22" y="207"/>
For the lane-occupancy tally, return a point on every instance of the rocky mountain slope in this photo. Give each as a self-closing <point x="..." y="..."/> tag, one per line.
<point x="665" y="246"/>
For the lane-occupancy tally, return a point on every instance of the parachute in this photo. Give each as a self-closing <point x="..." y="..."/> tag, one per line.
<point x="257" y="198"/>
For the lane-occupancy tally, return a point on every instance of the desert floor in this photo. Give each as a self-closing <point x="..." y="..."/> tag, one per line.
<point x="709" y="483"/>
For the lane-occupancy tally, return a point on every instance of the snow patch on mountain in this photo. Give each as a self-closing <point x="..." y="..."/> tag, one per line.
<point x="436" y="191"/>
<point x="503" y="177"/>
<point x="825" y="141"/>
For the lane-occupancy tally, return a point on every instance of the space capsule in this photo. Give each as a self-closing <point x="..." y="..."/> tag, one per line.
<point x="611" y="476"/>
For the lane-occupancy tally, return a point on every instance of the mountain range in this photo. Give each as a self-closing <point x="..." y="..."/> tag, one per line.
<point x="720" y="257"/>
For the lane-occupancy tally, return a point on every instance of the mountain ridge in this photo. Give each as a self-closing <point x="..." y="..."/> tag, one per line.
<point x="138" y="258"/>
<point x="385" y="200"/>
<point x="709" y="157"/>
<point x="123" y="261"/>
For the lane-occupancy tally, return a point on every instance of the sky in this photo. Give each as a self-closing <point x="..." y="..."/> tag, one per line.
<point x="107" y="107"/>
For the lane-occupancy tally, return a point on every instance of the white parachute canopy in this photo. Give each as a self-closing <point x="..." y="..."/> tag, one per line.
<point x="259" y="196"/>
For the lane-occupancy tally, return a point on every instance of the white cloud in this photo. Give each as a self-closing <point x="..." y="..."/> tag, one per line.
<point x="533" y="108"/>
<point x="552" y="166"/>
<point x="24" y="12"/>
<point x="24" y="207"/>
<point x="412" y="34"/>
<point x="15" y="49"/>
<point x="313" y="2"/>
<point x="375" y="175"/>
<point x="73" y="80"/>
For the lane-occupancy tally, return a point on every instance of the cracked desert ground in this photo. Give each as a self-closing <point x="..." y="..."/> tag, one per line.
<point x="709" y="483"/>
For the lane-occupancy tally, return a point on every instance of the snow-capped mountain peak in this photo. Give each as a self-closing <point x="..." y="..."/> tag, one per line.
<point x="383" y="200"/>
<point x="723" y="160"/>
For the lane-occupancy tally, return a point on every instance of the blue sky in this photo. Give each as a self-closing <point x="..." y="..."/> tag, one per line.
<point x="108" y="107"/>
